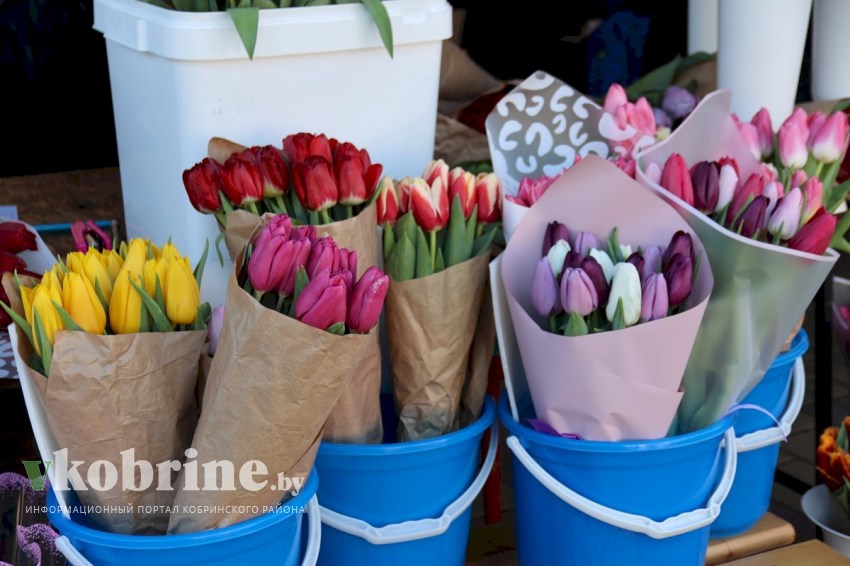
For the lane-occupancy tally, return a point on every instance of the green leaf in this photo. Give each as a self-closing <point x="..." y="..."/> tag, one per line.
<point x="218" y="240"/>
<point x="183" y="5"/>
<point x="337" y="328"/>
<point x="656" y="80"/>
<point x="160" y="321"/>
<point x="389" y="240"/>
<point x="841" y="105"/>
<point x="43" y="344"/>
<point x="122" y="251"/>
<point x="440" y="264"/>
<point x="285" y="3"/>
<point x="203" y="316"/>
<point x="247" y="22"/>
<point x="455" y="234"/>
<point x="576" y="326"/>
<point x="614" y="249"/>
<point x="199" y="269"/>
<point x="401" y="263"/>
<point x="619" y="321"/>
<point x="301" y="281"/>
<point x="317" y="3"/>
<point x="406" y="225"/>
<point x="471" y="230"/>
<point x="382" y="20"/>
<point x="158" y="297"/>
<point x="20" y="321"/>
<point x="837" y="195"/>
<point x="61" y="263"/>
<point x="423" y="256"/>
<point x="265" y="4"/>
<point x="484" y="242"/>
<point x="67" y="321"/>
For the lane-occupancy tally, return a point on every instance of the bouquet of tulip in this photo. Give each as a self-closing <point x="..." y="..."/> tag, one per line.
<point x="299" y="293"/>
<point x="102" y="328"/>
<point x="15" y="238"/>
<point x="437" y="256"/>
<point x="316" y="181"/>
<point x="604" y="330"/>
<point x="766" y="233"/>
<point x="833" y="462"/>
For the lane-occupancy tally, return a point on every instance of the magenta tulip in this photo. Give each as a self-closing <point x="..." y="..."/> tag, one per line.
<point x="325" y="255"/>
<point x="266" y="264"/>
<point x="680" y="244"/>
<point x="815" y="236"/>
<point x="676" y="178"/>
<point x="295" y="254"/>
<point x="367" y="301"/>
<point x="323" y="301"/>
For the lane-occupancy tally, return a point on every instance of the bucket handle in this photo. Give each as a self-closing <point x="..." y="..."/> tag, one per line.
<point x="422" y="528"/>
<point x="765" y="437"/>
<point x="671" y="527"/>
<point x="311" y="554"/>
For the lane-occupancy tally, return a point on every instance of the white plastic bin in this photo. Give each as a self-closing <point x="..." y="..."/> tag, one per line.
<point x="179" y="79"/>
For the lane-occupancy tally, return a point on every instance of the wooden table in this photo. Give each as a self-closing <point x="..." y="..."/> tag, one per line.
<point x="809" y="553"/>
<point x="769" y="533"/>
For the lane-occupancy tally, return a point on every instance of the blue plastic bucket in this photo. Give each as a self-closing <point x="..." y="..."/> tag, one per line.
<point x="632" y="502"/>
<point x="759" y="439"/>
<point x="406" y="503"/>
<point x="273" y="538"/>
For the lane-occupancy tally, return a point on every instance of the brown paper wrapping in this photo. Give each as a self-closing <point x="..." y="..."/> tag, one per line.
<point x="263" y="403"/>
<point x="357" y="418"/>
<point x="483" y="345"/>
<point x="108" y="394"/>
<point x="430" y="327"/>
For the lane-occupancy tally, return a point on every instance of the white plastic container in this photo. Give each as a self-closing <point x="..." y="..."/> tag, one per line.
<point x="179" y="79"/>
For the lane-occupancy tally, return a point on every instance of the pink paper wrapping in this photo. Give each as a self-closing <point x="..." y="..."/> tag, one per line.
<point x="761" y="291"/>
<point x="615" y="385"/>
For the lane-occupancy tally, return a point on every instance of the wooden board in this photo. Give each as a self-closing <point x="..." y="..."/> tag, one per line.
<point x="809" y="553"/>
<point x="769" y="533"/>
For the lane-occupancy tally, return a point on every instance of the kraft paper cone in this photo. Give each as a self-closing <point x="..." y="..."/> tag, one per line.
<point x="430" y="327"/>
<point x="271" y="387"/>
<point x="760" y="290"/>
<point x="108" y="394"/>
<point x="614" y="385"/>
<point x="483" y="345"/>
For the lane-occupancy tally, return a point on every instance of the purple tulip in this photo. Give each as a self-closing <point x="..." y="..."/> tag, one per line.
<point x="785" y="219"/>
<point x="544" y="289"/>
<point x="578" y="294"/>
<point x="706" y="180"/>
<point x="652" y="261"/>
<point x="322" y="303"/>
<point x="573" y="259"/>
<point x="678" y="102"/>
<point x="662" y="118"/>
<point x="636" y="259"/>
<point x="680" y="244"/>
<point x="295" y="254"/>
<point x="597" y="276"/>
<point x="678" y="276"/>
<point x="367" y="300"/>
<point x="584" y="242"/>
<point x="752" y="220"/>
<point x="654" y="301"/>
<point x="266" y="265"/>
<point x="753" y="187"/>
<point x="215" y="326"/>
<point x="554" y="231"/>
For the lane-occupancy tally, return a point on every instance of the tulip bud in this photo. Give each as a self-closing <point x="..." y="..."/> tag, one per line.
<point x="112" y="262"/>
<point x="265" y="266"/>
<point x="653" y="172"/>
<point x="727" y="184"/>
<point x="578" y="294"/>
<point x="813" y="197"/>
<point x="430" y="205"/>
<point x="764" y="129"/>
<point x="325" y="255"/>
<point x="635" y="259"/>
<point x="573" y="259"/>
<point x="15" y="238"/>
<point x="155" y="269"/>
<point x="294" y="254"/>
<point x="530" y="190"/>
<point x="752" y="220"/>
<point x="557" y="255"/>
<point x="750" y="135"/>
<point x="462" y="184"/>
<point x="773" y="191"/>
<point x="584" y="242"/>
<point x="678" y="102"/>
<point x="625" y="288"/>
<point x="82" y="304"/>
<point x="662" y="118"/>
<point x="815" y="122"/>
<point x="356" y="176"/>
<point x="215" y="327"/>
<point x="367" y="300"/>
<point x="554" y="231"/>
<point x="676" y="178"/>
<point x="654" y="301"/>
<point x="754" y="187"/>
<point x="830" y="141"/>
<point x="651" y="261"/>
<point x="627" y="165"/>
<point x="43" y="298"/>
<point x="273" y="170"/>
<point x="203" y="183"/>
<point x="615" y="98"/>
<point x="97" y="274"/>
<point x="298" y="147"/>
<point x="706" y="181"/>
<point x="487" y="191"/>
<point x="785" y="219"/>
<point x="241" y="180"/>
<point x="304" y="233"/>
<point x="680" y="244"/>
<point x="387" y="202"/>
<point x="793" y="152"/>
<point x="678" y="275"/>
<point x="815" y="235"/>
<point x="322" y="303"/>
<point x="74" y="262"/>
<point x="597" y="276"/>
<point x="125" y="308"/>
<point x="544" y="289"/>
<point x="315" y="184"/>
<point x="436" y="169"/>
<point x="404" y="188"/>
<point x="604" y="261"/>
<point x="182" y="294"/>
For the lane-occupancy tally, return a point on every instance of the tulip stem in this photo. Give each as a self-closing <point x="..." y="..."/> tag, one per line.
<point x="349" y="211"/>
<point x="281" y="204"/>
<point x="252" y="206"/>
<point x="279" y="306"/>
<point x="433" y="250"/>
<point x="222" y="218"/>
<point x="326" y="217"/>
<point x="258" y="295"/>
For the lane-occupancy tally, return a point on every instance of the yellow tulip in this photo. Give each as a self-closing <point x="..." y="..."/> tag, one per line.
<point x="97" y="274"/>
<point x="169" y="251"/>
<point x="50" y="280"/>
<point x="153" y="269"/>
<point x="113" y="262"/>
<point x="125" y="307"/>
<point x="154" y="251"/>
<point x="74" y="262"/>
<point x="183" y="295"/>
<point x="81" y="302"/>
<point x="42" y="303"/>
<point x="137" y="255"/>
<point x="58" y="271"/>
<point x="26" y="299"/>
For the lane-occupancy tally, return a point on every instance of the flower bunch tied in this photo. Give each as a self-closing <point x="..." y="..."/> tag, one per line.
<point x="833" y="462"/>
<point x="581" y="288"/>
<point x="436" y="221"/>
<point x="140" y="288"/>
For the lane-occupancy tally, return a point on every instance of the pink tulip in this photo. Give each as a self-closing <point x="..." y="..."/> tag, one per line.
<point x="627" y="165"/>
<point x="653" y="171"/>
<point x="773" y="191"/>
<point x="323" y="302"/>
<point x="294" y="254"/>
<point x="615" y="98"/>
<point x="764" y="127"/>
<point x="750" y="135"/>
<point x="830" y="141"/>
<point x="785" y="220"/>
<point x="793" y="151"/>
<point x="813" y="198"/>
<point x="487" y="191"/>
<point x="578" y="294"/>
<point x="367" y="301"/>
<point x="265" y="266"/>
<point x="798" y="179"/>
<point x="816" y="120"/>
<point x="676" y="178"/>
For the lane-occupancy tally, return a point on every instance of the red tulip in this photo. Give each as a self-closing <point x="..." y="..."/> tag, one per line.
<point x="815" y="235"/>
<point x="404" y="188"/>
<point x="323" y="302"/>
<point x="436" y="168"/>
<point x="487" y="191"/>
<point x="15" y="238"/>
<point x="242" y="182"/>
<point x="387" y="202"/>
<point x="676" y="178"/>
<point x="315" y="185"/>
<point x="462" y="184"/>
<point x="356" y="176"/>
<point x="430" y="205"/>
<point x="298" y="147"/>
<point x="11" y="262"/>
<point x="203" y="183"/>
<point x="273" y="170"/>
<point x="367" y="301"/>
